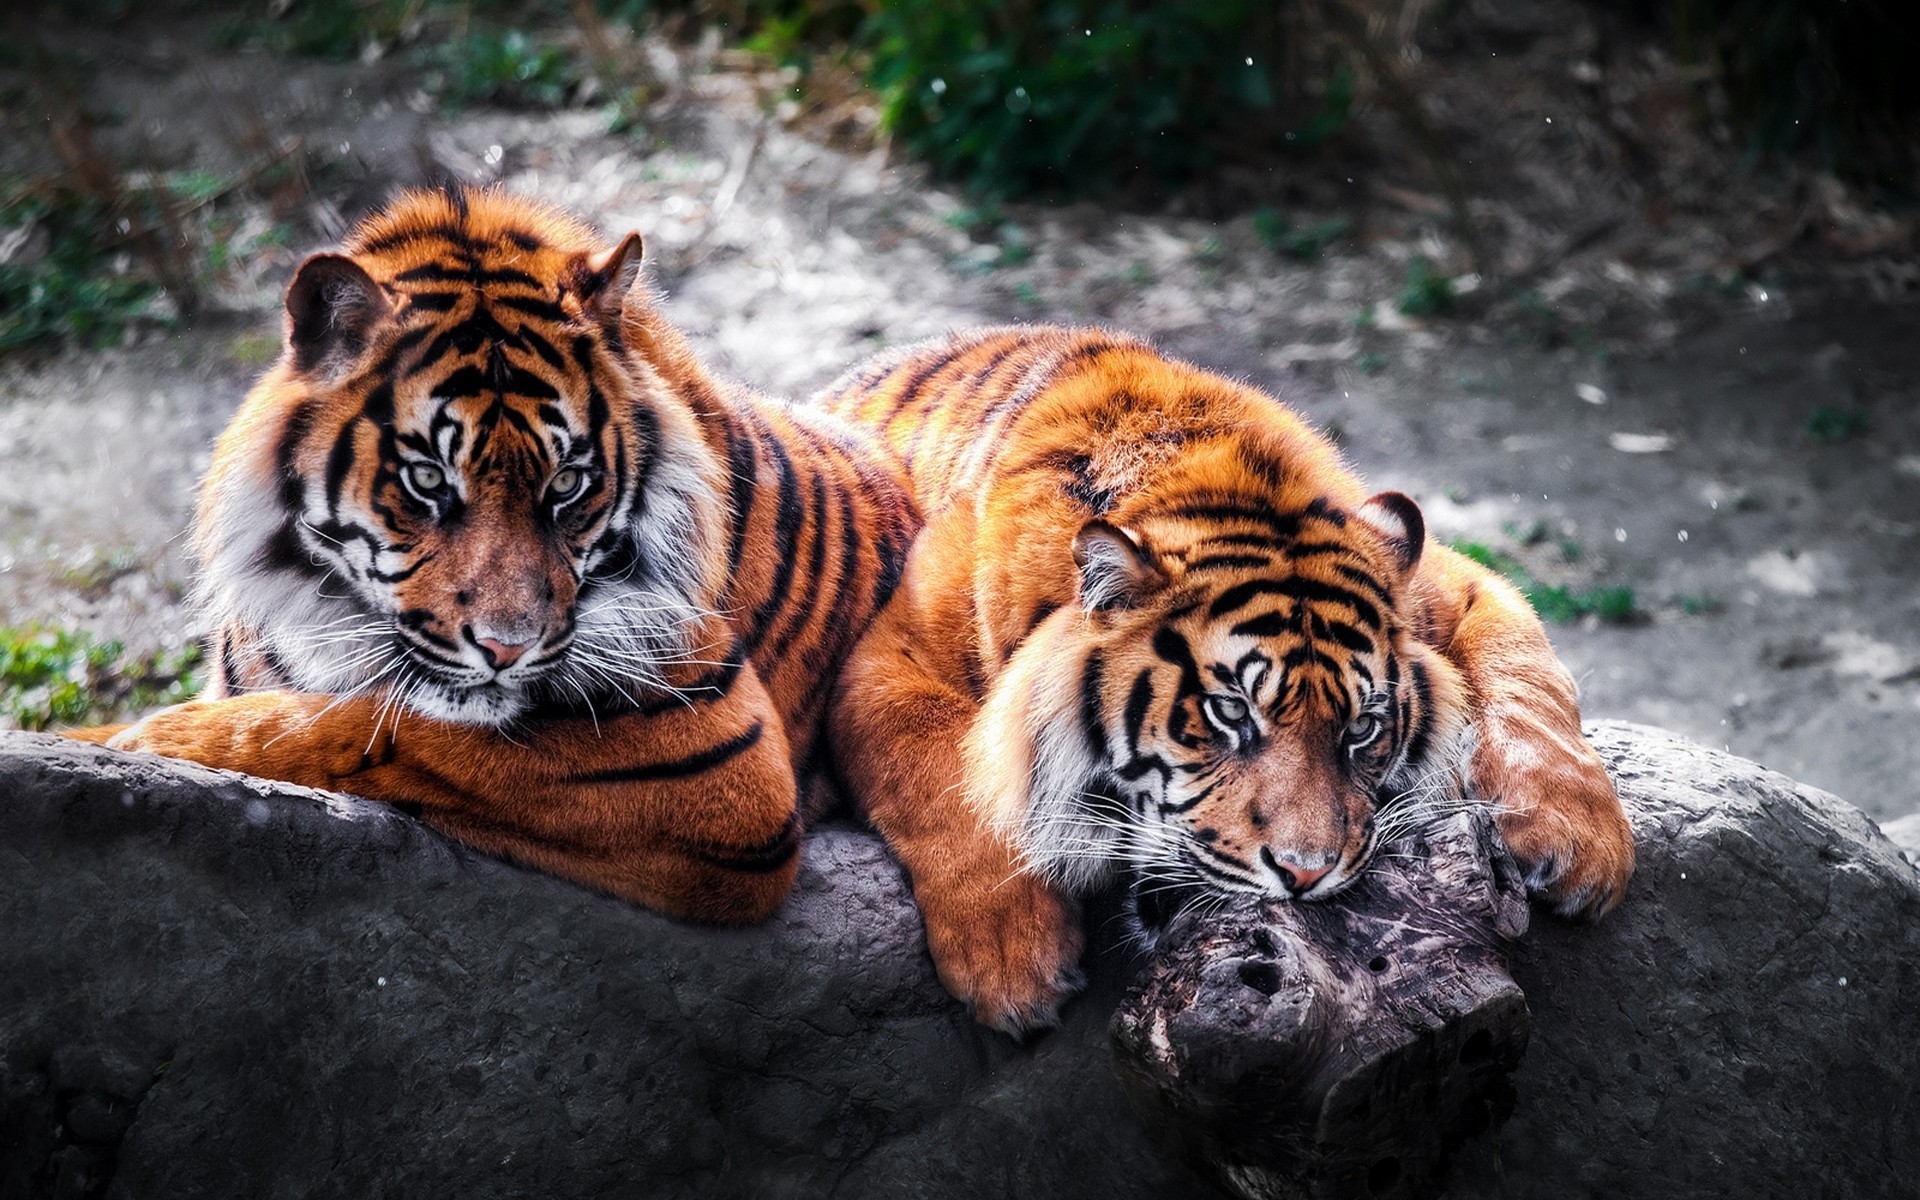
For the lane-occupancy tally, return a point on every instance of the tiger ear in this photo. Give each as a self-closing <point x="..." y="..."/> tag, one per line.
<point x="602" y="280"/>
<point x="332" y="308"/>
<point x="1116" y="569"/>
<point x="1396" y="518"/>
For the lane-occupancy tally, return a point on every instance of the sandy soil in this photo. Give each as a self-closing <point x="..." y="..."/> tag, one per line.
<point x="1666" y="449"/>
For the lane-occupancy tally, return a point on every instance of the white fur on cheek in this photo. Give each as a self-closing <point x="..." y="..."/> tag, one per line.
<point x="1028" y="765"/>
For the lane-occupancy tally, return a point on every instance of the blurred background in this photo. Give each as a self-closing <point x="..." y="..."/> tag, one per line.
<point x="1623" y="293"/>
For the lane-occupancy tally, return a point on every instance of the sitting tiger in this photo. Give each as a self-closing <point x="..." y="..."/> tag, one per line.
<point x="488" y="542"/>
<point x="1152" y="622"/>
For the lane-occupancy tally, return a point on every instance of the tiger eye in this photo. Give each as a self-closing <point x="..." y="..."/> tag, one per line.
<point x="567" y="482"/>
<point x="426" y="478"/>
<point x="1228" y="711"/>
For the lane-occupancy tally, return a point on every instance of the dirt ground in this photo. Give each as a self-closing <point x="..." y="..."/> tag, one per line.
<point x="1622" y="425"/>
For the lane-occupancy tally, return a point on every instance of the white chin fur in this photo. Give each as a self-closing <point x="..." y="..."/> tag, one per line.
<point x="486" y="705"/>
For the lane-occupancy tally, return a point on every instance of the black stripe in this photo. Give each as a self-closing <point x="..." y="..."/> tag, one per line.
<point x="816" y="563"/>
<point x="434" y="301"/>
<point x="1229" y="561"/>
<point x="1323" y="509"/>
<point x="403" y="237"/>
<point x="229" y="673"/>
<point x="1259" y="541"/>
<point x="679" y="768"/>
<point x="474" y="276"/>
<point x="786" y="529"/>
<point x="744" y="472"/>
<point x="1423" y="690"/>
<point x="840" y="619"/>
<point x="537" y="307"/>
<point x="1092" y="721"/>
<point x="1346" y="635"/>
<point x="1299" y="589"/>
<point x="1266" y="625"/>
<point x="759" y="858"/>
<point x="1139" y="700"/>
<point x="1282" y="527"/>
<point x="910" y="391"/>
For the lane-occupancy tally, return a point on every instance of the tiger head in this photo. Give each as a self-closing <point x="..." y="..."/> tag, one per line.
<point x="463" y="483"/>
<point x="1227" y="706"/>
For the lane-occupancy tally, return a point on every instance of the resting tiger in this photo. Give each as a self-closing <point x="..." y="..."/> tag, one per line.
<point x="488" y="542"/>
<point x="1153" y="622"/>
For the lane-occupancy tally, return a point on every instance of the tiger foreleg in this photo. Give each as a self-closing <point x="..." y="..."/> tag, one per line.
<point x="1002" y="938"/>
<point x="690" y="811"/>
<point x="1556" y="806"/>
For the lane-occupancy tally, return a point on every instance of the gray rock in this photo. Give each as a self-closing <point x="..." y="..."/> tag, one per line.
<point x="274" y="991"/>
<point x="1746" y="1023"/>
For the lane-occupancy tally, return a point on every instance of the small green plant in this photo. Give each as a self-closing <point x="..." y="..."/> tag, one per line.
<point x="1427" y="293"/>
<point x="1697" y="605"/>
<point x="1555" y="602"/>
<point x="1305" y="243"/>
<point x="977" y="221"/>
<point x="1526" y="533"/>
<point x="1836" y="424"/>
<point x="58" y="677"/>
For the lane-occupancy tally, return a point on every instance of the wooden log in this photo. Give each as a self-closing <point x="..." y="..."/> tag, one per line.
<point x="1344" y="1048"/>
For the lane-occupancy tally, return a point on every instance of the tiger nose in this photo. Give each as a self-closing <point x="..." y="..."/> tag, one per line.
<point x="1294" y="877"/>
<point x="501" y="655"/>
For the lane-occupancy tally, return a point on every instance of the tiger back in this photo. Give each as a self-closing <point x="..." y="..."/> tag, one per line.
<point x="1154" y="628"/>
<point x="489" y="542"/>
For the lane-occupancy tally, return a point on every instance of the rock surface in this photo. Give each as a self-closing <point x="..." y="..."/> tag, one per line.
<point x="212" y="986"/>
<point x="1746" y="1023"/>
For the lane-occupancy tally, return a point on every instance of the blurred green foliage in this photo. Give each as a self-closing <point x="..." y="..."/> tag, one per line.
<point x="1071" y="96"/>
<point x="54" y="677"/>
<point x="489" y="66"/>
<point x="56" y="283"/>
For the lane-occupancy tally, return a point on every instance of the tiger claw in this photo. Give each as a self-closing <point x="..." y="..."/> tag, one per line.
<point x="1030" y="1020"/>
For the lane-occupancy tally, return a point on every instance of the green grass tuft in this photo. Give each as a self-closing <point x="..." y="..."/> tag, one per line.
<point x="1428" y="292"/>
<point x="1836" y="424"/>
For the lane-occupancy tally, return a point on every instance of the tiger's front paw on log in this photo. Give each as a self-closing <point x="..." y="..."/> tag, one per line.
<point x="1559" y="814"/>
<point x="1009" y="947"/>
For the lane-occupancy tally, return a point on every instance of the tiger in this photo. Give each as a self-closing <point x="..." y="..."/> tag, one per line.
<point x="1154" y="629"/>
<point x="488" y="543"/>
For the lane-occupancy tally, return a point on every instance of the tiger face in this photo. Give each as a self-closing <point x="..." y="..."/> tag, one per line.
<point x="1225" y="710"/>
<point x="459" y="485"/>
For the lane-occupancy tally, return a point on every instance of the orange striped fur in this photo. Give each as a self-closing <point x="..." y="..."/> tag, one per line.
<point x="1154" y="627"/>
<point x="489" y="543"/>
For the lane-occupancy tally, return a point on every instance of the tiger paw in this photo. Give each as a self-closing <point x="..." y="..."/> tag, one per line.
<point x="168" y="733"/>
<point x="1010" y="949"/>
<point x="1560" y="816"/>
